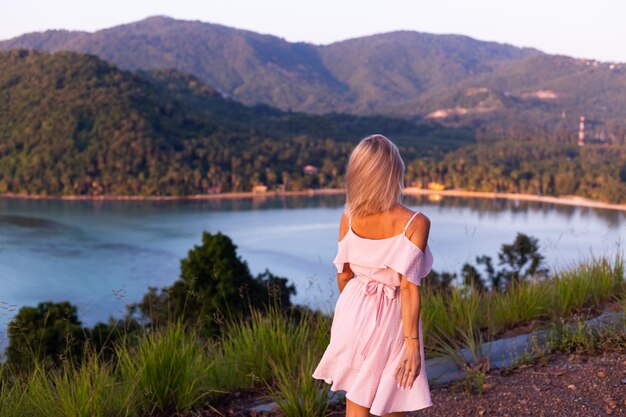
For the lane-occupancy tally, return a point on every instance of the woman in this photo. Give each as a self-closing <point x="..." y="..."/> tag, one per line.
<point x="376" y="352"/>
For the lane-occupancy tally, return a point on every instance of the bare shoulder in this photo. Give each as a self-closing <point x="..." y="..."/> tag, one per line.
<point x="419" y="230"/>
<point x="343" y="225"/>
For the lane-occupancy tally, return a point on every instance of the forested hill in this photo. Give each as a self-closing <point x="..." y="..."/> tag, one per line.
<point x="72" y="123"/>
<point x="362" y="76"/>
<point x="453" y="79"/>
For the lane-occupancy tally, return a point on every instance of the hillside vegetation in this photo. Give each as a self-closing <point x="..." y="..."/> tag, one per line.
<point x="71" y="124"/>
<point x="452" y="79"/>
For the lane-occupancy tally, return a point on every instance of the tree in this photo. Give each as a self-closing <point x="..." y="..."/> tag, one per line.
<point x="214" y="285"/>
<point x="472" y="278"/>
<point x="521" y="259"/>
<point x="439" y="282"/>
<point x="47" y="333"/>
<point x="495" y="279"/>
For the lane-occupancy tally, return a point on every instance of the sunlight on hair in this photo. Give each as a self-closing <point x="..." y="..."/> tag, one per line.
<point x="374" y="177"/>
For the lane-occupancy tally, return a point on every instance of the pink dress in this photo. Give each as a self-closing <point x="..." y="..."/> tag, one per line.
<point x="366" y="337"/>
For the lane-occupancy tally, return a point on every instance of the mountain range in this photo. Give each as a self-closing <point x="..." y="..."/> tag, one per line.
<point x="453" y="79"/>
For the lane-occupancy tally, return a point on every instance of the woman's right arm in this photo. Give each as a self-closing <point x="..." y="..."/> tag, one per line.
<point x="347" y="274"/>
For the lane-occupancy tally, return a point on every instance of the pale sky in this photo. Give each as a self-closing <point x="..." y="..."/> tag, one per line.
<point x="583" y="29"/>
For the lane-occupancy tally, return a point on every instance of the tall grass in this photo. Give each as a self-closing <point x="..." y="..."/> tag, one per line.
<point x="478" y="363"/>
<point x="88" y="390"/>
<point x="13" y="396"/>
<point x="295" y="391"/>
<point x="274" y="350"/>
<point x="522" y="302"/>
<point x="248" y="347"/>
<point x="585" y="285"/>
<point x="162" y="371"/>
<point x="169" y="368"/>
<point x="589" y="283"/>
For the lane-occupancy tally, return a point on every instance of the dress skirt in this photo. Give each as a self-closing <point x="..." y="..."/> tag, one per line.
<point x="366" y="344"/>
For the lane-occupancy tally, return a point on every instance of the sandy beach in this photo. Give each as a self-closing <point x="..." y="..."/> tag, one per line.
<point x="565" y="200"/>
<point x="570" y="200"/>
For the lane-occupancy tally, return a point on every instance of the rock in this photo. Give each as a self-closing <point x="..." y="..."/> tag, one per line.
<point x="571" y="386"/>
<point x="601" y="374"/>
<point x="624" y="381"/>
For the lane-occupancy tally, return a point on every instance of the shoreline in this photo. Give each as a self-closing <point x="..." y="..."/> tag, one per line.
<point x="569" y="200"/>
<point x="563" y="200"/>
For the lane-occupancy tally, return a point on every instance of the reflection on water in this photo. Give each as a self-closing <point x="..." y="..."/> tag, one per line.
<point x="102" y="255"/>
<point x="483" y="206"/>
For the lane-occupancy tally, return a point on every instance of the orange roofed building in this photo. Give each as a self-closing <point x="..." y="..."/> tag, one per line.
<point x="435" y="186"/>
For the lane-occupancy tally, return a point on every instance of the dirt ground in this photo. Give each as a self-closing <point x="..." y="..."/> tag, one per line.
<point x="567" y="386"/>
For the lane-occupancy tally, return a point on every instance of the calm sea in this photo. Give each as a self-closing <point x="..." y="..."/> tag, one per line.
<point x="103" y="255"/>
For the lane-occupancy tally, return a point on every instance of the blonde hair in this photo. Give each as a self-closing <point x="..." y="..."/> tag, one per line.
<point x="374" y="177"/>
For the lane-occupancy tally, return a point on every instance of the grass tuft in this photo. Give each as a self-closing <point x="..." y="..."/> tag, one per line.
<point x="169" y="368"/>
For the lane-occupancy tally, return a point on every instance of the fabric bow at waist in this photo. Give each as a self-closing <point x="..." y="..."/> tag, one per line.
<point x="380" y="291"/>
<point x="372" y="287"/>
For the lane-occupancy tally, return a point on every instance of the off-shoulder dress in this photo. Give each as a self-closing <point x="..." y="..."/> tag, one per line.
<point x="366" y="337"/>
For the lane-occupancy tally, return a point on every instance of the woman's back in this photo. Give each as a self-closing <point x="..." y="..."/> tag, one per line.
<point x="385" y="246"/>
<point x="373" y="353"/>
<point x="388" y="224"/>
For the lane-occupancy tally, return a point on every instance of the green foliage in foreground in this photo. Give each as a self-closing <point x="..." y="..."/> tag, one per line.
<point x="215" y="285"/>
<point x="169" y="368"/>
<point x="568" y="292"/>
<point x="518" y="262"/>
<point x="174" y="367"/>
<point x="46" y="332"/>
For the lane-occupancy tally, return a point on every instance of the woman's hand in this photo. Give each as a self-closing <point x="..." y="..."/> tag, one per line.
<point x="410" y="365"/>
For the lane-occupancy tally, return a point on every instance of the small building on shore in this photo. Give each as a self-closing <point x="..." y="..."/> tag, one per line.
<point x="259" y="188"/>
<point x="216" y="189"/>
<point x="310" y="170"/>
<point x="435" y="186"/>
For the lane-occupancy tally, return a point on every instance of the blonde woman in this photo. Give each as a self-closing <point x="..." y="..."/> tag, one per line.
<point x="376" y="352"/>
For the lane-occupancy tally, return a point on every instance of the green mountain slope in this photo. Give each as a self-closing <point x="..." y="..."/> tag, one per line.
<point x="72" y="123"/>
<point x="541" y="92"/>
<point x="363" y="76"/>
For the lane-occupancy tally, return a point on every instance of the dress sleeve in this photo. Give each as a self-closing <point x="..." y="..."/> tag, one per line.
<point x="414" y="265"/>
<point x="420" y="267"/>
<point x="341" y="257"/>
